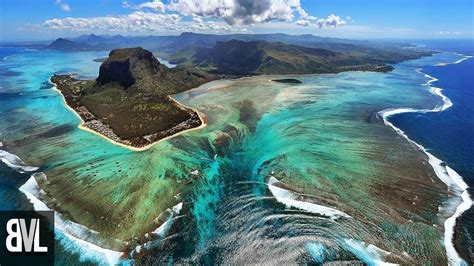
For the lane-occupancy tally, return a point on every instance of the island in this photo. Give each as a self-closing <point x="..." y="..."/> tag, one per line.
<point x="100" y="60"/>
<point x="288" y="81"/>
<point x="129" y="102"/>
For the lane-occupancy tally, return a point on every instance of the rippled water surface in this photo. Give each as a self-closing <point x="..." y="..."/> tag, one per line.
<point x="322" y="139"/>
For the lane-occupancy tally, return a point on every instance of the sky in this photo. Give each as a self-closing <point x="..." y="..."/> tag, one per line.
<point x="23" y="20"/>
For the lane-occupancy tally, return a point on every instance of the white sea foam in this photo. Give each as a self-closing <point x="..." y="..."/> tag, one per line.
<point x="177" y="208"/>
<point x="446" y="174"/>
<point x="463" y="58"/>
<point x="14" y="162"/>
<point x="165" y="227"/>
<point x="159" y="233"/>
<point x="75" y="237"/>
<point x="290" y="199"/>
<point x="367" y="253"/>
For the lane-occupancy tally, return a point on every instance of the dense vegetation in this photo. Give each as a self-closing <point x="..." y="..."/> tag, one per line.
<point x="261" y="57"/>
<point x="131" y="95"/>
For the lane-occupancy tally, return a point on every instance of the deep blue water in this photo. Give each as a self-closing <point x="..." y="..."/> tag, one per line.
<point x="9" y="178"/>
<point x="449" y="135"/>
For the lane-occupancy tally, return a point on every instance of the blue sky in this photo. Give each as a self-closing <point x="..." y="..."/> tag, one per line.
<point x="363" y="19"/>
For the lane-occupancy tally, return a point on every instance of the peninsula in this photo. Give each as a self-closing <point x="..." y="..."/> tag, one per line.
<point x="129" y="102"/>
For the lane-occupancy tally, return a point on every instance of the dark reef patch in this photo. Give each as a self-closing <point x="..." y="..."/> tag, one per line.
<point x="8" y="73"/>
<point x="57" y="131"/>
<point x="6" y="96"/>
<point x="46" y="85"/>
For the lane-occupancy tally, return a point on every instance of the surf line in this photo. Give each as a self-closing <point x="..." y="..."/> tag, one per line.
<point x="76" y="238"/>
<point x="293" y="199"/>
<point x="445" y="173"/>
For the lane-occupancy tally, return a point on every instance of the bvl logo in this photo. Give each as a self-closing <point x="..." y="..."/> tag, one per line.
<point x="29" y="238"/>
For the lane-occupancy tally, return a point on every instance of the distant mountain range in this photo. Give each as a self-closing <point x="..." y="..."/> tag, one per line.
<point x="250" y="54"/>
<point x="94" y="42"/>
<point x="189" y="40"/>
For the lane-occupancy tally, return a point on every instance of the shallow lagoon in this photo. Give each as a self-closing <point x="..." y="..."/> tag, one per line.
<point x="322" y="138"/>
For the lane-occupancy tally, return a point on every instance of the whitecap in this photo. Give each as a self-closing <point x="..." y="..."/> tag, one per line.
<point x="290" y="199"/>
<point x="14" y="162"/>
<point x="75" y="238"/>
<point x="463" y="58"/>
<point x="446" y="174"/>
<point x="159" y="233"/>
<point x="367" y="253"/>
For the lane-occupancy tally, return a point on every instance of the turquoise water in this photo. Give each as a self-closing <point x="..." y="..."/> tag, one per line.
<point x="323" y="139"/>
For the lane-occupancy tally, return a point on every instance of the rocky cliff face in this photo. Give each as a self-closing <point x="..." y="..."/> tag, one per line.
<point x="130" y="66"/>
<point x="136" y="70"/>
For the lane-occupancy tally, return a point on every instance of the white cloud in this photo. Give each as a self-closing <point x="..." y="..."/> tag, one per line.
<point x="243" y="12"/>
<point x="238" y="12"/>
<point x="64" y="7"/>
<point x="303" y="22"/>
<point x="331" y="21"/>
<point x="138" y="21"/>
<point x="198" y="15"/>
<point x="155" y="4"/>
<point x="445" y="33"/>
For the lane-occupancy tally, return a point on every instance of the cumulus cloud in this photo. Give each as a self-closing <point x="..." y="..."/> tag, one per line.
<point x="64" y="7"/>
<point x="137" y="21"/>
<point x="240" y="12"/>
<point x="331" y="21"/>
<point x="153" y="5"/>
<point x="156" y="4"/>
<point x="303" y="22"/>
<point x="198" y="15"/>
<point x="244" y="12"/>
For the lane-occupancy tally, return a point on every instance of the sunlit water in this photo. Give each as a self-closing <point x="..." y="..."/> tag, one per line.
<point x="321" y="138"/>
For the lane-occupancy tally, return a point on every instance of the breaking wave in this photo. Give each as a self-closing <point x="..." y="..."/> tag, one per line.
<point x="291" y="199"/>
<point x="155" y="237"/>
<point x="14" y="162"/>
<point x="446" y="174"/>
<point x="74" y="237"/>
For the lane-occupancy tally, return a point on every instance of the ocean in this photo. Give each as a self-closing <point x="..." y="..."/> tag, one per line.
<point x="449" y="135"/>
<point x="286" y="173"/>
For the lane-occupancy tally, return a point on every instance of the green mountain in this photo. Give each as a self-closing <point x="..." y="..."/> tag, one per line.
<point x="129" y="101"/>
<point x="181" y="47"/>
<point x="261" y="57"/>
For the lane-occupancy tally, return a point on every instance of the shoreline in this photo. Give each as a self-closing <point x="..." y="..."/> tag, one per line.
<point x="133" y="148"/>
<point x="445" y="173"/>
<point x="80" y="236"/>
